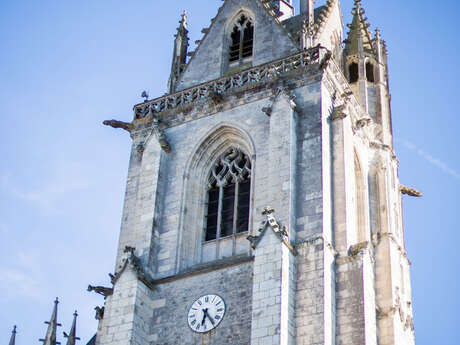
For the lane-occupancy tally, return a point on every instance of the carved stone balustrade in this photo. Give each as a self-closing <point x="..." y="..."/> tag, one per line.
<point x="210" y="90"/>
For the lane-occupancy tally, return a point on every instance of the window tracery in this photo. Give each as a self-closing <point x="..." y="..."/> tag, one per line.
<point x="229" y="186"/>
<point x="242" y="39"/>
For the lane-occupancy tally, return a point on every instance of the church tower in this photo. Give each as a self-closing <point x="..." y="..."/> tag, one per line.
<point x="263" y="204"/>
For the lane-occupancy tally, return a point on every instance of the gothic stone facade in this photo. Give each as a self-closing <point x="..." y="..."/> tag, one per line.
<point x="313" y="117"/>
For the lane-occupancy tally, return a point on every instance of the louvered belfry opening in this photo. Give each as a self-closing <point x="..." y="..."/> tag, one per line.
<point x="229" y="188"/>
<point x="242" y="39"/>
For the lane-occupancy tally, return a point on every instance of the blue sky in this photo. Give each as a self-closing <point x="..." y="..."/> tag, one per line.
<point x="65" y="66"/>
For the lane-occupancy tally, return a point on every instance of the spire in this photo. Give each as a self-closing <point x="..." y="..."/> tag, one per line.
<point x="71" y="337"/>
<point x="180" y="53"/>
<point x="50" y="337"/>
<point x="307" y="9"/>
<point x="13" y="337"/>
<point x="359" y="40"/>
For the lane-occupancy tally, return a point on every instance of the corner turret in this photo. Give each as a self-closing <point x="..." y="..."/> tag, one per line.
<point x="180" y="54"/>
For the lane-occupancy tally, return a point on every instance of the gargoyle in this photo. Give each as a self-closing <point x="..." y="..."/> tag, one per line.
<point x="119" y="124"/>
<point x="101" y="290"/>
<point x="325" y="61"/>
<point x="410" y="191"/>
<point x="99" y="313"/>
<point x="216" y="97"/>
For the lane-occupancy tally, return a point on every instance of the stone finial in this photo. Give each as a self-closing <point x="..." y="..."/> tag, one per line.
<point x="179" y="54"/>
<point x="50" y="337"/>
<point x="13" y="336"/>
<point x="72" y="337"/>
<point x="183" y="21"/>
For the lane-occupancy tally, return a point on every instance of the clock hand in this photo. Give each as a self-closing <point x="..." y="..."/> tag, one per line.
<point x="209" y="317"/>
<point x="205" y="312"/>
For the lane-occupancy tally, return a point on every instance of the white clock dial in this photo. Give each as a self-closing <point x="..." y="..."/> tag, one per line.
<point x="206" y="313"/>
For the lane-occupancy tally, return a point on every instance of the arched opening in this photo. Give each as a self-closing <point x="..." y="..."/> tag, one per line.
<point x="370" y="72"/>
<point x="229" y="188"/>
<point x="242" y="39"/>
<point x="216" y="208"/>
<point x="353" y="72"/>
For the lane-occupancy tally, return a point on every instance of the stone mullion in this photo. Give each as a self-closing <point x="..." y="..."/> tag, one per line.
<point x="235" y="215"/>
<point x="219" y="218"/>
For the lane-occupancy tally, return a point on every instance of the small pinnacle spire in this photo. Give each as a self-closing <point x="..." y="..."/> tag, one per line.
<point x="359" y="37"/>
<point x="72" y="336"/>
<point x="13" y="336"/>
<point x="180" y="53"/>
<point x="50" y="337"/>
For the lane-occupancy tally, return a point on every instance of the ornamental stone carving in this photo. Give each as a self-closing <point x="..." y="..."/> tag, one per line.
<point x="270" y="221"/>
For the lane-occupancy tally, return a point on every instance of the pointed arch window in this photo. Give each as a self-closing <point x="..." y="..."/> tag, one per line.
<point x="229" y="186"/>
<point x="370" y="72"/>
<point x="242" y="39"/>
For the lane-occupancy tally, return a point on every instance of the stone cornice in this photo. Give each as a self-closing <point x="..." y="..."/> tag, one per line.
<point x="206" y="267"/>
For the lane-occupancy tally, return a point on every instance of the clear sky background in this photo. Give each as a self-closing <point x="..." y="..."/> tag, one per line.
<point x="65" y="66"/>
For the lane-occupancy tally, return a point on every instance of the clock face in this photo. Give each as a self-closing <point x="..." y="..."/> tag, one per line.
<point x="206" y="313"/>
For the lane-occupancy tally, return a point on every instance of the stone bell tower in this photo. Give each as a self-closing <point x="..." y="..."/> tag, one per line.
<point x="263" y="204"/>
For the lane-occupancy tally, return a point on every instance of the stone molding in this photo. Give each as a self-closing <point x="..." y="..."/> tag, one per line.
<point x="206" y="267"/>
<point x="314" y="240"/>
<point x="280" y="231"/>
<point x="381" y="235"/>
<point x="276" y="94"/>
<point x="135" y="263"/>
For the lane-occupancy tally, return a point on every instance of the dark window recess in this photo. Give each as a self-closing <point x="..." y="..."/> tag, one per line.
<point x="242" y="38"/>
<point x="244" y="192"/>
<point x="370" y="72"/>
<point x="353" y="72"/>
<point x="228" y="208"/>
<point x="228" y="196"/>
<point x="213" y="209"/>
